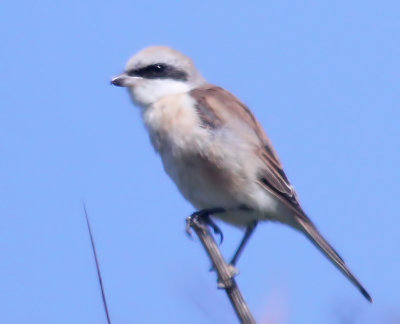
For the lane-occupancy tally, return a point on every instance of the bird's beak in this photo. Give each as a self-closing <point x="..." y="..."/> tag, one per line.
<point x="120" y="80"/>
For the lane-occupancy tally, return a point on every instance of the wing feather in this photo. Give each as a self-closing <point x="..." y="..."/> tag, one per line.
<point x="215" y="106"/>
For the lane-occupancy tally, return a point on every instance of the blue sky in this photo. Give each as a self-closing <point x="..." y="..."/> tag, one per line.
<point x="323" y="79"/>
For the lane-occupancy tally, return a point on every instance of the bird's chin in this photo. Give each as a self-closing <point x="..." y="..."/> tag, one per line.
<point x="145" y="92"/>
<point x="142" y="96"/>
<point x="136" y="101"/>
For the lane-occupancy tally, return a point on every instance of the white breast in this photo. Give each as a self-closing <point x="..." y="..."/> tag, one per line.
<point x="211" y="169"/>
<point x="173" y="123"/>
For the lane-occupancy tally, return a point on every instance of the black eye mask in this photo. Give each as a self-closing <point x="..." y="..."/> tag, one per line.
<point x="159" y="71"/>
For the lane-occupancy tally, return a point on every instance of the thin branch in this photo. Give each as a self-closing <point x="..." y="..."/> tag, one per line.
<point x="225" y="271"/>
<point x="103" y="295"/>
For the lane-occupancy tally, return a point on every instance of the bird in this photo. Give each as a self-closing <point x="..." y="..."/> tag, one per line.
<point x="215" y="150"/>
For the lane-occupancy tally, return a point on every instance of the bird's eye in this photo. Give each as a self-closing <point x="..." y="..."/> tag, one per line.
<point x="158" y="68"/>
<point x="153" y="70"/>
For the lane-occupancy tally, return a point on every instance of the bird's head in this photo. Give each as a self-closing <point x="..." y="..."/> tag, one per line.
<point x="156" y="72"/>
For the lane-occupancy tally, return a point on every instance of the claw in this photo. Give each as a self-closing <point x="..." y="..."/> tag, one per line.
<point x="188" y="229"/>
<point x="217" y="231"/>
<point x="205" y="215"/>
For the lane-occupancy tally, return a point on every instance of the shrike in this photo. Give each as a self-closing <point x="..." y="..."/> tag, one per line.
<point x="214" y="149"/>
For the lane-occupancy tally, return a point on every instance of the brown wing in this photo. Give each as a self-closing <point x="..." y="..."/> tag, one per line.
<point x="216" y="105"/>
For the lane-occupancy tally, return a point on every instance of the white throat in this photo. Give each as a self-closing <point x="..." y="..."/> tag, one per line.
<point x="148" y="92"/>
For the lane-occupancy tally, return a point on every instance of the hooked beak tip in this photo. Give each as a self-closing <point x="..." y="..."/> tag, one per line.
<point x="119" y="80"/>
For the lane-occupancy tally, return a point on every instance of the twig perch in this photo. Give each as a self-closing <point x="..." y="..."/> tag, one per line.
<point x="225" y="271"/>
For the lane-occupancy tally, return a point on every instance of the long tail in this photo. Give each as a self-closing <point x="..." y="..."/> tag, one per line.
<point x="312" y="233"/>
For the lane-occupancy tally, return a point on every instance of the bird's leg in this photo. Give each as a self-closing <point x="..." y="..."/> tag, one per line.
<point x="204" y="214"/>
<point x="249" y="230"/>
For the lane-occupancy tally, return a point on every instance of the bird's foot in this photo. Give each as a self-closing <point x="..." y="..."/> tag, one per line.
<point x="204" y="214"/>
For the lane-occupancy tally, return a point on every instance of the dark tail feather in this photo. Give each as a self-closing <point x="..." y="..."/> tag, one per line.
<point x="312" y="233"/>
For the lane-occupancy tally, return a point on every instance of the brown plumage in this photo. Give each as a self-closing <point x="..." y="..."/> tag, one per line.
<point x="271" y="177"/>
